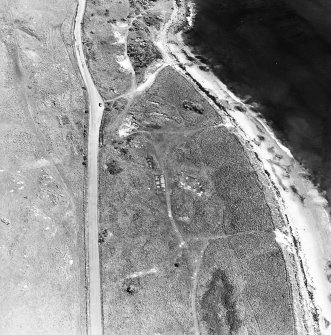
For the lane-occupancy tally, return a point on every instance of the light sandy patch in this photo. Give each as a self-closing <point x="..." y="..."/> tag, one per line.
<point x="40" y="163"/>
<point x="127" y="127"/>
<point x="125" y="63"/>
<point x="120" y="31"/>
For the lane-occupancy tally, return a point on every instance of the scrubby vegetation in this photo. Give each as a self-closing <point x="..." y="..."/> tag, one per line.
<point x="100" y="47"/>
<point x="179" y="158"/>
<point x="141" y="49"/>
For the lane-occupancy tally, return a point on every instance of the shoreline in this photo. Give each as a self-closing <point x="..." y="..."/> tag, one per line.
<point x="307" y="234"/>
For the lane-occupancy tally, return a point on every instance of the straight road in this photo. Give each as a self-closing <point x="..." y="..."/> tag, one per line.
<point x="96" y="107"/>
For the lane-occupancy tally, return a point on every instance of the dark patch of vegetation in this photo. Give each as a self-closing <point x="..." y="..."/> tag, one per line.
<point x="113" y="167"/>
<point x="65" y="120"/>
<point x="153" y="20"/>
<point x="124" y="151"/>
<point x="119" y="105"/>
<point x="103" y="235"/>
<point x="131" y="285"/>
<point x="192" y="106"/>
<point x="141" y="49"/>
<point x="153" y="126"/>
<point x="142" y="53"/>
<point x="122" y="145"/>
<point x="220" y="292"/>
<point x="141" y="5"/>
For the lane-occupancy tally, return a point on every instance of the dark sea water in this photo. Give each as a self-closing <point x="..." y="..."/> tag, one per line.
<point x="279" y="54"/>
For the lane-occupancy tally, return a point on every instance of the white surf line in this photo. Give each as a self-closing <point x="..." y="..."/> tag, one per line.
<point x="96" y="107"/>
<point x="309" y="220"/>
<point x="191" y="13"/>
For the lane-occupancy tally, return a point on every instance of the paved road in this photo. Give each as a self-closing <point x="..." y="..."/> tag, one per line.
<point x="96" y="106"/>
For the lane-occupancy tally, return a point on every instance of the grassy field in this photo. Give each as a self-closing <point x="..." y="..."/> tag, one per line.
<point x="41" y="173"/>
<point x="211" y="263"/>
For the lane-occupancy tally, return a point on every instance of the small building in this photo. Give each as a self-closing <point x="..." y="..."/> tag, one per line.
<point x="150" y="162"/>
<point x="159" y="182"/>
